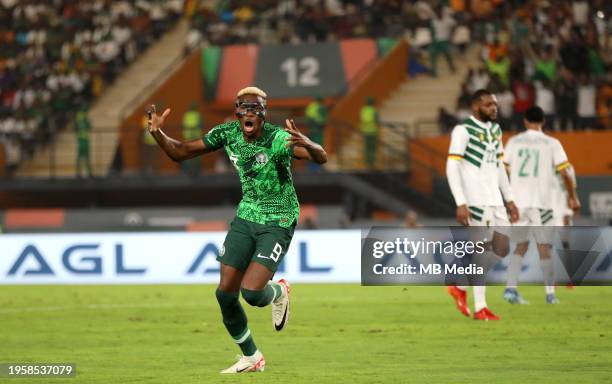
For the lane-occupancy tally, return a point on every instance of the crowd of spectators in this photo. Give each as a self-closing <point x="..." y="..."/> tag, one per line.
<point x="556" y="55"/>
<point x="58" y="55"/>
<point x="303" y="21"/>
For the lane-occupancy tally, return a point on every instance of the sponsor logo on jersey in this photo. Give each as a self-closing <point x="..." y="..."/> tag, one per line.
<point x="234" y="159"/>
<point x="261" y="158"/>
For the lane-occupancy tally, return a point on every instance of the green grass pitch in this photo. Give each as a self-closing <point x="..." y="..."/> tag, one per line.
<point x="337" y="334"/>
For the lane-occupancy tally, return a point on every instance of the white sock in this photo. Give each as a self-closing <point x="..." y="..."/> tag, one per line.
<point x="480" y="300"/>
<point x="514" y="268"/>
<point x="462" y="287"/>
<point x="549" y="275"/>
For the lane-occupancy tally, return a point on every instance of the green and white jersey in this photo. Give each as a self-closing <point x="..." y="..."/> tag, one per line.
<point x="264" y="168"/>
<point x="533" y="157"/>
<point x="478" y="147"/>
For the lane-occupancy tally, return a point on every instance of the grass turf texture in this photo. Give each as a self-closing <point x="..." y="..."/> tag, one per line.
<point x="337" y="333"/>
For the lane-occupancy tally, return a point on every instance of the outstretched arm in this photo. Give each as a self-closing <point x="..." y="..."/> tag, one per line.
<point x="175" y="149"/>
<point x="303" y="147"/>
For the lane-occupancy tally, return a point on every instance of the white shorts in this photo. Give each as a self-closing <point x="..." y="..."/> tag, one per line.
<point x="493" y="217"/>
<point x="560" y="208"/>
<point x="534" y="221"/>
<point x="559" y="215"/>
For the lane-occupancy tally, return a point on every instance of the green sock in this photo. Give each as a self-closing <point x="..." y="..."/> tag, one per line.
<point x="235" y="321"/>
<point x="246" y="343"/>
<point x="276" y="287"/>
<point x="263" y="297"/>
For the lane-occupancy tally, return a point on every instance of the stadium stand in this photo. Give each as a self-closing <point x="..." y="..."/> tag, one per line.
<point x="554" y="55"/>
<point x="57" y="56"/>
<point x="418" y="60"/>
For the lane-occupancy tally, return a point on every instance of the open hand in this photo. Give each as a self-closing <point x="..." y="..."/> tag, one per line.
<point x="297" y="138"/>
<point x="513" y="211"/>
<point x="574" y="204"/>
<point x="155" y="121"/>
<point x="463" y="215"/>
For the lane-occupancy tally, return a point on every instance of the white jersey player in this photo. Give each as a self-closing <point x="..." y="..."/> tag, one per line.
<point x="477" y="180"/>
<point x="532" y="158"/>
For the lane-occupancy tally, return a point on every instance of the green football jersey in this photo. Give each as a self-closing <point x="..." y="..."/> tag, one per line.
<point x="264" y="168"/>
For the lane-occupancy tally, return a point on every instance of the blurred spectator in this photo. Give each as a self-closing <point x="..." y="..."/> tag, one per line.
<point x="604" y="106"/>
<point x="192" y="129"/>
<point x="442" y="25"/>
<point x="464" y="110"/>
<point x="82" y="127"/>
<point x="546" y="65"/>
<point x="369" y="121"/>
<point x="13" y="155"/>
<point x="505" y="104"/>
<point x="495" y="50"/>
<point x="523" y="100"/>
<point x="446" y="120"/>
<point x="316" y="118"/>
<point x="462" y="37"/>
<point x="545" y="99"/>
<point x="500" y="67"/>
<point x="477" y="80"/>
<point x="587" y="98"/>
<point x="597" y="66"/>
<point x="574" y="54"/>
<point x="580" y="12"/>
<point x="567" y="104"/>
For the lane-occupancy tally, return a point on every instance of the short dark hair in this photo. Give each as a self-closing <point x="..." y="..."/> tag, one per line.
<point x="534" y="114"/>
<point x="478" y="94"/>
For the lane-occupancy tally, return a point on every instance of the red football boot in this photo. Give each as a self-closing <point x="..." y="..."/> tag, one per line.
<point x="486" y="315"/>
<point x="460" y="299"/>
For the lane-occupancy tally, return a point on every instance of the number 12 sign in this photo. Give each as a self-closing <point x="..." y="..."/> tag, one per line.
<point x="286" y="71"/>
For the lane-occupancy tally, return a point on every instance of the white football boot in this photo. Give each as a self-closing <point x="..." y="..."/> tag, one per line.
<point x="280" y="306"/>
<point x="255" y="363"/>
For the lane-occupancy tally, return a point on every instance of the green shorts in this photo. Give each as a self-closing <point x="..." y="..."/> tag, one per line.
<point x="247" y="241"/>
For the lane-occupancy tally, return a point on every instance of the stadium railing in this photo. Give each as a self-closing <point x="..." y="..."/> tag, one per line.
<point x="60" y="153"/>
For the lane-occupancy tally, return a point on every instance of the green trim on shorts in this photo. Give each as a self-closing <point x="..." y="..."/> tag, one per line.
<point x="546" y="215"/>
<point x="476" y="213"/>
